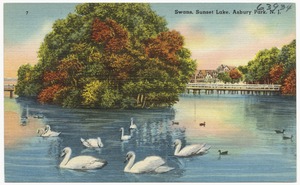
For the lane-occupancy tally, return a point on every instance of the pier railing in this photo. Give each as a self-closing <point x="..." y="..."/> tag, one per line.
<point x="10" y="89"/>
<point x="254" y="87"/>
<point x="243" y="88"/>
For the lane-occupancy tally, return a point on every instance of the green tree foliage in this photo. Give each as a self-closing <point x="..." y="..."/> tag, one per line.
<point x="29" y="82"/>
<point x="273" y="66"/>
<point x="287" y="57"/>
<point x="224" y="77"/>
<point x="111" y="55"/>
<point x="260" y="66"/>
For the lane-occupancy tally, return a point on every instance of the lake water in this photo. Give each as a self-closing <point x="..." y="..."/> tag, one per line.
<point x="241" y="124"/>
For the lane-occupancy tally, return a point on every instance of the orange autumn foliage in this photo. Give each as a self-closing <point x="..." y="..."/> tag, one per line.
<point x="289" y="85"/>
<point x="47" y="94"/>
<point x="111" y="34"/>
<point x="276" y="73"/>
<point x="235" y="74"/>
<point x="165" y="46"/>
<point x="54" y="77"/>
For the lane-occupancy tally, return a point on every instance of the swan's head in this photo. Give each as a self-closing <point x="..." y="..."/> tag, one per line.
<point x="177" y="142"/>
<point x="65" y="151"/>
<point x="121" y="129"/>
<point x="100" y="142"/>
<point x="129" y="155"/>
<point x="47" y="127"/>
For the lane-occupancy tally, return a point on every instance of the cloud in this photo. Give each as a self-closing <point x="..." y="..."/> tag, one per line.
<point x="256" y="29"/>
<point x="235" y="45"/>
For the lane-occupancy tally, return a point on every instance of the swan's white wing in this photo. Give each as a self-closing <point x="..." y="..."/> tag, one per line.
<point x="149" y="164"/>
<point x="126" y="137"/>
<point x="50" y="133"/>
<point x="203" y="150"/>
<point x="54" y="134"/>
<point x="85" y="163"/>
<point x="190" y="150"/>
<point x="93" y="142"/>
<point x="133" y="126"/>
<point x="85" y="143"/>
<point x="163" y="169"/>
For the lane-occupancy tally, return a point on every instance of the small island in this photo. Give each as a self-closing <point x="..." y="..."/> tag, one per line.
<point x="117" y="58"/>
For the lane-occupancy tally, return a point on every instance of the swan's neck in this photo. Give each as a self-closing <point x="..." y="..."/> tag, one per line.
<point x="177" y="149"/>
<point x="122" y="130"/>
<point x="100" y="143"/>
<point x="66" y="159"/>
<point x="129" y="164"/>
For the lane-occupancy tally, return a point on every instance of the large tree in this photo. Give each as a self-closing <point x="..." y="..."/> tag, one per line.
<point x="112" y="55"/>
<point x="260" y="66"/>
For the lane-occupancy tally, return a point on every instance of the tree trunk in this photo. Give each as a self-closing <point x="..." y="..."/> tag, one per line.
<point x="144" y="102"/>
<point x="141" y="98"/>
<point x="138" y="99"/>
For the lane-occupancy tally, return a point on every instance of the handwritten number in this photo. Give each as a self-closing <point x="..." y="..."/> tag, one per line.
<point x="26" y="12"/>
<point x="275" y="6"/>
<point x="259" y="7"/>
<point x="288" y="7"/>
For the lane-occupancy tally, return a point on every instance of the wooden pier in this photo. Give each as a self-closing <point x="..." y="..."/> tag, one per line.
<point x="259" y="89"/>
<point x="10" y="89"/>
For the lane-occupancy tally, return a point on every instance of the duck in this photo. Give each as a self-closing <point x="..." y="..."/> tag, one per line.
<point x="124" y="137"/>
<point x="190" y="150"/>
<point x="280" y="131"/>
<point x="132" y="125"/>
<point x="287" y="137"/>
<point x="222" y="153"/>
<point x="83" y="162"/>
<point x="24" y="120"/>
<point x="92" y="142"/>
<point x="46" y="132"/>
<point x="175" y="123"/>
<point x="202" y="124"/>
<point x="151" y="164"/>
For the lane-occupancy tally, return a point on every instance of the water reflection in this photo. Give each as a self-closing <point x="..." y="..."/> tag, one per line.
<point x="244" y="126"/>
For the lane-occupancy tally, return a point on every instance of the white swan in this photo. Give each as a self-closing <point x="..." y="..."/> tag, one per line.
<point x="132" y="125"/>
<point x="83" y="162"/>
<point x="190" y="150"/>
<point x="149" y="164"/>
<point x="92" y="143"/>
<point x="46" y="132"/>
<point x="49" y="132"/>
<point x="124" y="137"/>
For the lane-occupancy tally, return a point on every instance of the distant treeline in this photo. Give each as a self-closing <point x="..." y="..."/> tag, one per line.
<point x="270" y="66"/>
<point x="273" y="66"/>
